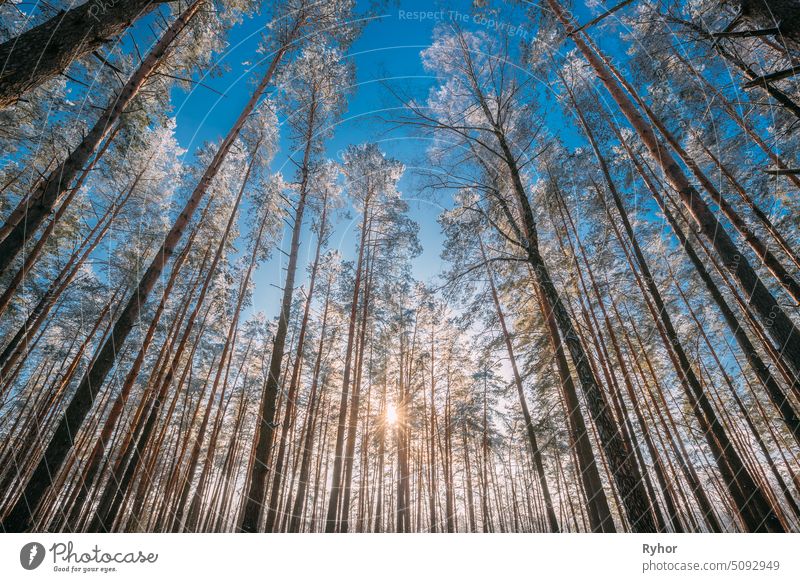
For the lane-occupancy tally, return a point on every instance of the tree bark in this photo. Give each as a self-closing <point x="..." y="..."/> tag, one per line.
<point x="536" y="453"/>
<point x="312" y="415"/>
<point x="46" y="50"/>
<point x="749" y="497"/>
<point x="291" y="395"/>
<point x="262" y="448"/>
<point x="331" y="521"/>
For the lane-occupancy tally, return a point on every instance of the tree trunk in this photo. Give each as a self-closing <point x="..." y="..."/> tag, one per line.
<point x="773" y="389"/>
<point x="308" y="440"/>
<point x="778" y="324"/>
<point x="536" y="453"/>
<point x="331" y="521"/>
<point x="107" y="511"/>
<point x="623" y="468"/>
<point x="291" y="395"/>
<point x="750" y="498"/>
<point x="262" y="449"/>
<point x="44" y="51"/>
<point x="350" y="444"/>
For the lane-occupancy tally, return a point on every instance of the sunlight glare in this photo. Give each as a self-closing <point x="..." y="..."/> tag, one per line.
<point x="391" y="414"/>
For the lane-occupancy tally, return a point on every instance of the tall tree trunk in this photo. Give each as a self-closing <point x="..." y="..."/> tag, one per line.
<point x="764" y="254"/>
<point x="773" y="389"/>
<point x="32" y="256"/>
<point x="468" y="471"/>
<point x="431" y="461"/>
<point x="749" y="497"/>
<point x="41" y="53"/>
<point x="262" y="446"/>
<point x="762" y="217"/>
<point x="600" y="518"/>
<point x="486" y="517"/>
<point x="331" y="520"/>
<point x="350" y="445"/>
<point x="312" y="414"/>
<point x="623" y="468"/>
<point x="18" y="344"/>
<point x="536" y="453"/>
<point x="291" y="394"/>
<point x="621" y="360"/>
<point x="223" y="361"/>
<point x="110" y="504"/>
<point x="730" y="109"/>
<point x="92" y="465"/>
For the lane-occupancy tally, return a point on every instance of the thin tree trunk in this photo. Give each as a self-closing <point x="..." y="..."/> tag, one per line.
<point x="536" y="453"/>
<point x="313" y="413"/>
<point x="750" y="498"/>
<point x="331" y="520"/>
<point x="291" y="395"/>
<point x="349" y="451"/>
<point x="262" y="447"/>
<point x="778" y="324"/>
<point x="773" y="389"/>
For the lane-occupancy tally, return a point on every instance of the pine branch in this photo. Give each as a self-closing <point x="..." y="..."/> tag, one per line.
<point x="746" y="33"/>
<point x="782" y="171"/>
<point x="602" y="17"/>
<point x="776" y="76"/>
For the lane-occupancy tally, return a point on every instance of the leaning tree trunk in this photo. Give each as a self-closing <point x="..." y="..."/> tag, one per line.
<point x="623" y="467"/>
<point x="19" y="343"/>
<point x="622" y="463"/>
<point x="773" y="389"/>
<point x="225" y="351"/>
<point x="44" y="51"/>
<point x="92" y="466"/>
<point x="33" y="255"/>
<point x="133" y="451"/>
<point x="750" y="499"/>
<point x="746" y="127"/>
<point x="751" y="238"/>
<point x="262" y="446"/>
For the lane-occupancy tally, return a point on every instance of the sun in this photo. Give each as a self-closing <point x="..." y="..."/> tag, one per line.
<point x="391" y="414"/>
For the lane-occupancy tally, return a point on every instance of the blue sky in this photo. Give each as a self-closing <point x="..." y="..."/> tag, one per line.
<point x="387" y="51"/>
<point x="388" y="48"/>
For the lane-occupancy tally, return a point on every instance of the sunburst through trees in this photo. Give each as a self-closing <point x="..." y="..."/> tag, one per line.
<point x="281" y="267"/>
